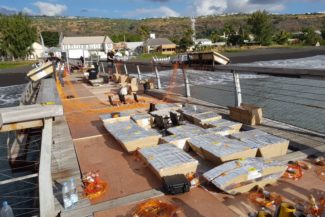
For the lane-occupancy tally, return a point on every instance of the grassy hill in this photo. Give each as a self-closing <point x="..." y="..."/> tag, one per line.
<point x="168" y="27"/>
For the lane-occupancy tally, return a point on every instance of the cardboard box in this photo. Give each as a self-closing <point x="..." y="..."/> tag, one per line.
<point x="241" y="176"/>
<point x="268" y="145"/>
<point x="181" y="134"/>
<point x="168" y="160"/>
<point x="180" y="141"/>
<point x="122" y="79"/>
<point x="220" y="149"/>
<point x="204" y="117"/>
<point x="246" y="114"/>
<point x="107" y="118"/>
<point x="43" y="71"/>
<point x="222" y="127"/>
<point x="116" y="77"/>
<point x="187" y="130"/>
<point x="169" y="106"/>
<point x="143" y="120"/>
<point x="131" y="136"/>
<point x="191" y="110"/>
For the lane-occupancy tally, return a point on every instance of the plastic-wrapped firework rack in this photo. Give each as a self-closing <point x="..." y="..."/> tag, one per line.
<point x="131" y="136"/>
<point x="242" y="175"/>
<point x="219" y="149"/>
<point x="268" y="145"/>
<point x="167" y="160"/>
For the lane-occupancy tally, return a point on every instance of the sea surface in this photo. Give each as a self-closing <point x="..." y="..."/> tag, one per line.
<point x="21" y="195"/>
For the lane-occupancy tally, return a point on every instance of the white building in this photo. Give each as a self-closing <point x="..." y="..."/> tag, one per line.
<point x="161" y="45"/>
<point x="38" y="51"/>
<point x="86" y="45"/>
<point x="203" y="42"/>
<point x="134" y="45"/>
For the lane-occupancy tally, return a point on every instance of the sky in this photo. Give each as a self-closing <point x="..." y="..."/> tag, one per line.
<point x="139" y="9"/>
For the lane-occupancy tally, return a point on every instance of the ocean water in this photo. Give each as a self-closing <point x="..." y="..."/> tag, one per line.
<point x="313" y="62"/>
<point x="10" y="95"/>
<point x="21" y="195"/>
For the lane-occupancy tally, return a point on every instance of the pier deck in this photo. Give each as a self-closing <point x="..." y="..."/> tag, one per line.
<point x="131" y="181"/>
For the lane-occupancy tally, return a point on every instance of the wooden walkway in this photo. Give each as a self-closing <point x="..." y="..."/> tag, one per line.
<point x="80" y="143"/>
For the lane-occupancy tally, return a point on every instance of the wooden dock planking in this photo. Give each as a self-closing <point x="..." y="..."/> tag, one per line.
<point x="303" y="143"/>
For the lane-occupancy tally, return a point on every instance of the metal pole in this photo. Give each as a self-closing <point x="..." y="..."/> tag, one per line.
<point x="186" y="82"/>
<point x="116" y="70"/>
<point x="157" y="77"/>
<point x="238" y="97"/>
<point x="126" y="69"/>
<point x="102" y="64"/>
<point x="139" y="73"/>
<point x="68" y="64"/>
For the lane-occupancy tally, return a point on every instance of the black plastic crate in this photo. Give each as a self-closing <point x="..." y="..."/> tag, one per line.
<point x="176" y="184"/>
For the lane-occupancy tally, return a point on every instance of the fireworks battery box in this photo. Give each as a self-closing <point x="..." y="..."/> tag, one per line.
<point x="176" y="184"/>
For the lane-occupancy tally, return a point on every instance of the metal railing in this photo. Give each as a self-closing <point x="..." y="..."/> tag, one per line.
<point x="300" y="92"/>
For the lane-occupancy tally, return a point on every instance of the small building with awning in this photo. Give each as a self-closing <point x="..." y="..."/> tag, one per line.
<point x="160" y="45"/>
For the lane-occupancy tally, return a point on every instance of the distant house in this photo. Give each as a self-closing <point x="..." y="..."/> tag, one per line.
<point x="86" y="45"/>
<point x="203" y="42"/>
<point x="161" y="45"/>
<point x="134" y="45"/>
<point x="38" y="51"/>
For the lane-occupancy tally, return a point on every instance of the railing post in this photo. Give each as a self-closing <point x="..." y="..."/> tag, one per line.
<point x="157" y="77"/>
<point x="238" y="97"/>
<point x="46" y="196"/>
<point x="103" y="68"/>
<point x="186" y="82"/>
<point x="125" y="69"/>
<point x="116" y="70"/>
<point x="139" y="73"/>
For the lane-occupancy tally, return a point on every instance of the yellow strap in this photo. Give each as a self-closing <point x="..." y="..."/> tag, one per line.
<point x="48" y="103"/>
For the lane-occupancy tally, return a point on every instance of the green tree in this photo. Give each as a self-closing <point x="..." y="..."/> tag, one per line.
<point x="16" y="35"/>
<point x="261" y="26"/>
<point x="143" y="31"/>
<point x="229" y="29"/>
<point x="128" y="37"/>
<point x="282" y="37"/>
<point x="186" y="41"/>
<point x="51" y="39"/>
<point x="215" y="37"/>
<point x="310" y="37"/>
<point x="235" y="40"/>
<point x="323" y="30"/>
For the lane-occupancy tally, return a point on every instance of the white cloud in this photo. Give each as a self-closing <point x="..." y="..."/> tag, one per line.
<point x="209" y="7"/>
<point x="162" y="11"/>
<point x="27" y="11"/>
<point x="50" y="9"/>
